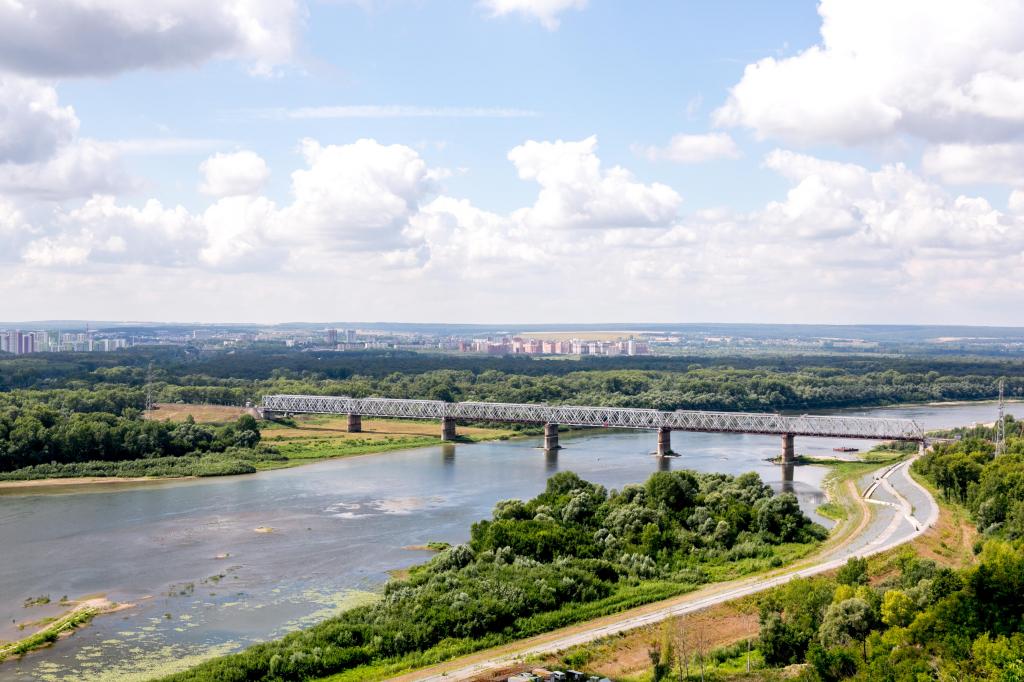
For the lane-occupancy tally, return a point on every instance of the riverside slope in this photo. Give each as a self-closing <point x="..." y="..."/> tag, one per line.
<point x="893" y="524"/>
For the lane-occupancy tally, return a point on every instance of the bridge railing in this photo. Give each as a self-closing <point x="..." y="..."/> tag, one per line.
<point x="613" y="417"/>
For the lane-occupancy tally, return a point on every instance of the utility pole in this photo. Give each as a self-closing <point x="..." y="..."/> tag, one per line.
<point x="149" y="390"/>
<point x="1000" y="424"/>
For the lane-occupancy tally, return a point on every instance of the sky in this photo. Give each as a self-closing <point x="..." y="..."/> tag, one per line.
<point x="512" y="161"/>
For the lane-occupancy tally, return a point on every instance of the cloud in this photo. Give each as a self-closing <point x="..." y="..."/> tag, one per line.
<point x="887" y="68"/>
<point x="33" y="125"/>
<point x="102" y="231"/>
<point x="890" y="212"/>
<point x="844" y="241"/>
<point x="355" y="196"/>
<point x="54" y="38"/>
<point x="966" y="164"/>
<point x="1016" y="202"/>
<point x="394" y="111"/>
<point x="243" y="172"/>
<point x="40" y="153"/>
<point x="544" y="11"/>
<point x="694" y="148"/>
<point x="577" y="193"/>
<point x="79" y="169"/>
<point x="238" y="230"/>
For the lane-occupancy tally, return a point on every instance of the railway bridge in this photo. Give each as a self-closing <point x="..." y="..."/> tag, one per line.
<point x="551" y="416"/>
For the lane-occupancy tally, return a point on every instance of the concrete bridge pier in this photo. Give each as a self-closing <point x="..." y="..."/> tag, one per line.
<point x="788" y="451"/>
<point x="665" y="442"/>
<point x="447" y="428"/>
<point x="355" y="423"/>
<point x="920" y="448"/>
<point x="551" y="437"/>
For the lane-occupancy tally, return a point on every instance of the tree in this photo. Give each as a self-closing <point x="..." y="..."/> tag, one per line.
<point x="897" y="609"/>
<point x="849" y="620"/>
<point x="854" y="572"/>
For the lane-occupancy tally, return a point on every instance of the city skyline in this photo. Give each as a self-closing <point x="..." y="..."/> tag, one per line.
<point x="525" y="160"/>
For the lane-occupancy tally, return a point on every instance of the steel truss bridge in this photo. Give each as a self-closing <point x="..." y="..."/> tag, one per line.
<point x="827" y="426"/>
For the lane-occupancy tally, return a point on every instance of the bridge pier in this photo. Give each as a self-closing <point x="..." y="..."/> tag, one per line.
<point x="920" y="448"/>
<point x="448" y="428"/>
<point x="665" y="442"/>
<point x="355" y="423"/>
<point x="788" y="451"/>
<point x="551" y="437"/>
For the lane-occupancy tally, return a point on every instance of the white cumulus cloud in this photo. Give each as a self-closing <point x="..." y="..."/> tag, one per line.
<point x="243" y="172"/>
<point x="33" y="124"/>
<point x="577" y="193"/>
<point x="943" y="71"/>
<point x="964" y="164"/>
<point x="684" y="148"/>
<point x="81" y="168"/>
<point x="359" y="195"/>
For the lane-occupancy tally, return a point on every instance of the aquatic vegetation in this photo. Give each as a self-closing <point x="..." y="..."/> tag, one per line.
<point x="574" y="552"/>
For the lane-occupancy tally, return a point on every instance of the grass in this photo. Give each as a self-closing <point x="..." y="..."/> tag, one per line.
<point x="627" y="596"/>
<point x="50" y="633"/>
<point x="832" y="510"/>
<point x="301" y="440"/>
<point x="315" y="437"/>
<point x="206" y="414"/>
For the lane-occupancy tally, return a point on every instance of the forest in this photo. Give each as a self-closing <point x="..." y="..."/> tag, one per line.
<point x="967" y="472"/>
<point x="784" y="382"/>
<point x="77" y="414"/>
<point x="576" y="551"/>
<point x="98" y="433"/>
<point x="919" y="622"/>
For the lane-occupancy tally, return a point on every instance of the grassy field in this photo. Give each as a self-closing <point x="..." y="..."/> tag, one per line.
<point x="308" y="438"/>
<point x="207" y="414"/>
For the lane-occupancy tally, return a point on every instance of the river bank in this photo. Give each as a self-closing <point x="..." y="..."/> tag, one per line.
<point x="340" y="526"/>
<point x="308" y="440"/>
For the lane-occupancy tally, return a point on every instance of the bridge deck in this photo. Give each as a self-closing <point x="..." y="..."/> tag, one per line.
<point x="614" y="417"/>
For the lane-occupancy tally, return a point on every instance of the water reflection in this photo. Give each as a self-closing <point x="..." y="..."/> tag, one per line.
<point x="664" y="463"/>
<point x="448" y="454"/>
<point x="551" y="461"/>
<point x="787" y="478"/>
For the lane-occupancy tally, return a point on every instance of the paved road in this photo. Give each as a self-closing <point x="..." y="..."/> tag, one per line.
<point x="903" y="510"/>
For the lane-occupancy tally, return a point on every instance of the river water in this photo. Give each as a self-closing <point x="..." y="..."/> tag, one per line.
<point x="205" y="581"/>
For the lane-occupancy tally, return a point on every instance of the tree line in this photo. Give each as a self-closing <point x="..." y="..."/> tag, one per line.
<point x="81" y="426"/>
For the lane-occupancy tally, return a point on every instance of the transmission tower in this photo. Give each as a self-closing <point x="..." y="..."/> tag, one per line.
<point x="1000" y="424"/>
<point x="149" y="389"/>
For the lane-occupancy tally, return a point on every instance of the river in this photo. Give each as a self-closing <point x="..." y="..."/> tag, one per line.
<point x="204" y="580"/>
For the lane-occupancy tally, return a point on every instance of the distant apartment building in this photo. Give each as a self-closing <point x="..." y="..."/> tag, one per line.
<point x="22" y="343"/>
<point x="527" y="346"/>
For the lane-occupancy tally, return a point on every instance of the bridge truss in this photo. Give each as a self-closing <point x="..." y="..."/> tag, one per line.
<point x="612" y="417"/>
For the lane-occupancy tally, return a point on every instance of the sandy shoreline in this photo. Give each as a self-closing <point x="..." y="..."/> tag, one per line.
<point x="87" y="480"/>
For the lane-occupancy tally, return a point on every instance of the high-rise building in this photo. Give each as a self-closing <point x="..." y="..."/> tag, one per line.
<point x="332" y="337"/>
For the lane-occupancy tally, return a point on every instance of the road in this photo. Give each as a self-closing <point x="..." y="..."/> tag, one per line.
<point x="903" y="510"/>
